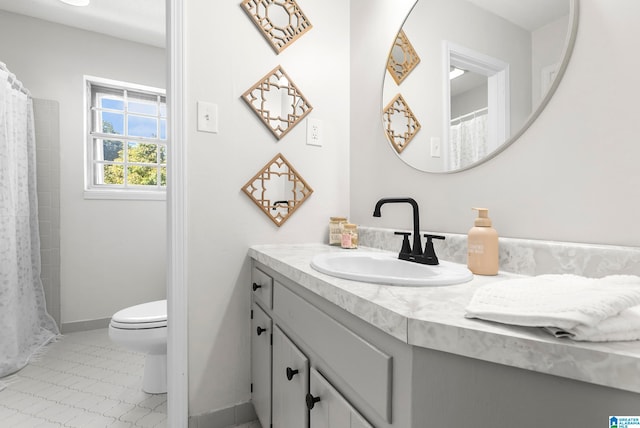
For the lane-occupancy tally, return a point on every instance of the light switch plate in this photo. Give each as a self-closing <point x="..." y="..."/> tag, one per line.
<point x="435" y="147"/>
<point x="314" y="132"/>
<point x="207" y="117"/>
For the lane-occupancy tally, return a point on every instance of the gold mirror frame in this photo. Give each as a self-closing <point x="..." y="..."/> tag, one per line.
<point x="277" y="82"/>
<point x="399" y="70"/>
<point x="278" y="190"/>
<point x="269" y="15"/>
<point x="398" y="108"/>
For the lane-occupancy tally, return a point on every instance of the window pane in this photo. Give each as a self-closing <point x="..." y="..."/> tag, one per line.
<point x="109" y="174"/>
<point x="163" y="110"/>
<point x="109" y="150"/>
<point x="163" y="129"/>
<point x="142" y="175"/>
<point x="163" y="176"/>
<point x="142" y="152"/>
<point x="163" y="155"/>
<point x="150" y="108"/>
<point x="112" y="103"/>
<point x="140" y="126"/>
<point x="112" y="123"/>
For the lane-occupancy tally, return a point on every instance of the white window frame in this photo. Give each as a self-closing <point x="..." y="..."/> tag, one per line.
<point x="125" y="191"/>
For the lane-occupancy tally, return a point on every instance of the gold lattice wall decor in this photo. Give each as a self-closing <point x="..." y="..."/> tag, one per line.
<point x="278" y="190"/>
<point x="400" y="123"/>
<point x="278" y="102"/>
<point x="281" y="22"/>
<point x="402" y="59"/>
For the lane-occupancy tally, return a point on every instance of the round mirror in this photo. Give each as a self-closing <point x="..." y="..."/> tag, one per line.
<point x="465" y="78"/>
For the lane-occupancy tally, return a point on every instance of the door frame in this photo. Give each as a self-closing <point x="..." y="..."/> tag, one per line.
<point x="177" y="297"/>
<point x="498" y="93"/>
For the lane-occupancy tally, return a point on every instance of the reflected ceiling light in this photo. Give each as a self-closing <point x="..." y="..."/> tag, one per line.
<point x="456" y="72"/>
<point x="76" y="2"/>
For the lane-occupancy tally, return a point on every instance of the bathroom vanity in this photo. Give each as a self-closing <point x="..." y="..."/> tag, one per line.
<point x="329" y="352"/>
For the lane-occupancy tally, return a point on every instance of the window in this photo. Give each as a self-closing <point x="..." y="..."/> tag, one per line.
<point x="126" y="140"/>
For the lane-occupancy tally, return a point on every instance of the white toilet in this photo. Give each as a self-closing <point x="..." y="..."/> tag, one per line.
<point x="143" y="328"/>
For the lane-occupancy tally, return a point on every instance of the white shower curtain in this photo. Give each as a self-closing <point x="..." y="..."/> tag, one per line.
<point x="25" y="325"/>
<point x="468" y="141"/>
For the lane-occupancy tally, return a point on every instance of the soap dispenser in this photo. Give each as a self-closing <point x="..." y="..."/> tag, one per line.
<point x="482" y="245"/>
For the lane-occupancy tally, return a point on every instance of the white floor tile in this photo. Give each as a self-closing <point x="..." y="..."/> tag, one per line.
<point x="83" y="381"/>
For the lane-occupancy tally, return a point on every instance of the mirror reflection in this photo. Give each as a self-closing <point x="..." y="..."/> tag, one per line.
<point x="474" y="74"/>
<point x="277" y="189"/>
<point x="278" y="102"/>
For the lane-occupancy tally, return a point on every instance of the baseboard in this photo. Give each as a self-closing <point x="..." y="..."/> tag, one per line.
<point x="225" y="418"/>
<point x="73" y="327"/>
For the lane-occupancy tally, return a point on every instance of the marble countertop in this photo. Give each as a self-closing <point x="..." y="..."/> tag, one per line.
<point x="433" y="317"/>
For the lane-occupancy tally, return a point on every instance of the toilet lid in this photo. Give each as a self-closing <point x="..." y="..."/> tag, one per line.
<point x="146" y="315"/>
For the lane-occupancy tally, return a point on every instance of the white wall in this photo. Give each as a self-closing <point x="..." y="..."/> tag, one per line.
<point x="226" y="55"/>
<point x="546" y="51"/>
<point x="573" y="176"/>
<point x="112" y="252"/>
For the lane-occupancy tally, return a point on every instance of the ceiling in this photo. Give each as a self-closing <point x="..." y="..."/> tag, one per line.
<point x="528" y="14"/>
<point x="140" y="21"/>
<point x="143" y="21"/>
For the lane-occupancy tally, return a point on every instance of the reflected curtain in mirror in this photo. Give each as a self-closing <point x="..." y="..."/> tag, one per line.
<point x="278" y="102"/>
<point x="278" y="190"/>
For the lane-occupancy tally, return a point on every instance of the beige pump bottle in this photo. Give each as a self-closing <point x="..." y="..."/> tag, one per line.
<point x="482" y="245"/>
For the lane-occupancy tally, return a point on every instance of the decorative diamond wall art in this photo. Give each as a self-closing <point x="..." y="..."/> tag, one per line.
<point x="400" y="124"/>
<point x="281" y="22"/>
<point x="278" y="189"/>
<point x="402" y="59"/>
<point x="278" y="102"/>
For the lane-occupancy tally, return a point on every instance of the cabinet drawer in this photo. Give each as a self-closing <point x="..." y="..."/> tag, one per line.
<point x="365" y="368"/>
<point x="262" y="287"/>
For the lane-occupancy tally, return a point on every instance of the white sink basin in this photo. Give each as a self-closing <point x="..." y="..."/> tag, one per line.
<point x="386" y="268"/>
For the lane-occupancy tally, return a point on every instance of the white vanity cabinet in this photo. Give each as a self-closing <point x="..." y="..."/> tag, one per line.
<point x="295" y="350"/>
<point x="329" y="408"/>
<point x="261" y="330"/>
<point x="290" y="383"/>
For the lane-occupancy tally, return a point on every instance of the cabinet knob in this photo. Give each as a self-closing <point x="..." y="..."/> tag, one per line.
<point x="256" y="286"/>
<point x="291" y="373"/>
<point x="311" y="401"/>
<point x="260" y="330"/>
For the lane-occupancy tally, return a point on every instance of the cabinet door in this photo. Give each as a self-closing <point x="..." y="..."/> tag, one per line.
<point x="261" y="364"/>
<point x="290" y="383"/>
<point x="329" y="409"/>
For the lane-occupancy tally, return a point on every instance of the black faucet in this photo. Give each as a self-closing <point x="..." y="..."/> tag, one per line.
<point x="414" y="254"/>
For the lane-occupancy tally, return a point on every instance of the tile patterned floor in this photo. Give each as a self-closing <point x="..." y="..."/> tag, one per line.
<point x="83" y="381"/>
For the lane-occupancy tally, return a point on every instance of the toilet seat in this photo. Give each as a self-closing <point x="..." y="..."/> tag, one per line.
<point x="145" y="316"/>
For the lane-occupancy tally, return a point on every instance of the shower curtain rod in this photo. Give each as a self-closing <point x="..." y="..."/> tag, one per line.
<point x="15" y="83"/>
<point x="473" y="113"/>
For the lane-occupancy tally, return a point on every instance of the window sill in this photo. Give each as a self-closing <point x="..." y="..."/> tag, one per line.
<point x="132" y="195"/>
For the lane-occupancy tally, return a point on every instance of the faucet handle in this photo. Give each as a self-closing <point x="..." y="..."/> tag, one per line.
<point x="406" y="247"/>
<point x="429" y="252"/>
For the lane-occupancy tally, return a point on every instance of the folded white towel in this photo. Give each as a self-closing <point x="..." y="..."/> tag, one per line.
<point x="560" y="302"/>
<point x="624" y="326"/>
